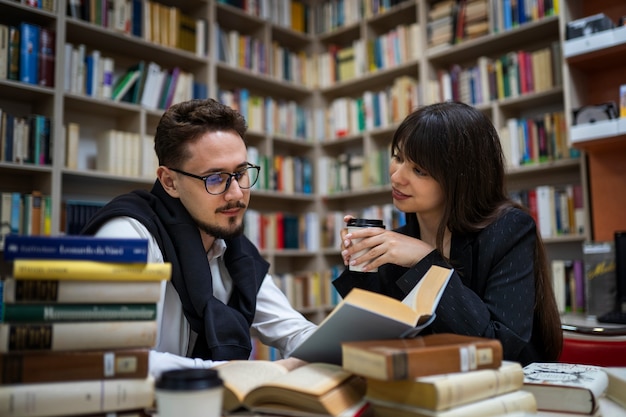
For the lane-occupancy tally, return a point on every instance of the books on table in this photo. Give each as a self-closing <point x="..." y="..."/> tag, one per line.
<point x="78" y="325"/>
<point x="564" y="387"/>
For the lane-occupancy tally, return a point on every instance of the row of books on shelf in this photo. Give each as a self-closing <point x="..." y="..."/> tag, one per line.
<point x="347" y="116"/>
<point x="25" y="139"/>
<point x="497" y="78"/>
<point x="283" y="230"/>
<point x="25" y="213"/>
<point x="455" y="21"/>
<point x="78" y="322"/>
<point x="146" y="83"/>
<point x="557" y="210"/>
<point x="292" y="14"/>
<point x="27" y="53"/>
<point x="309" y="289"/>
<point x="113" y="151"/>
<point x="284" y="173"/>
<point x="280" y="117"/>
<point x="151" y="21"/>
<point x="536" y="140"/>
<point x="245" y="51"/>
<point x="353" y="172"/>
<point x="340" y="63"/>
<point x="335" y="14"/>
<point x="47" y="5"/>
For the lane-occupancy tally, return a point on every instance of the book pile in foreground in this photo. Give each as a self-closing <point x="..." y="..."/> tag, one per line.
<point x="442" y="375"/>
<point x="574" y="389"/>
<point x="78" y="319"/>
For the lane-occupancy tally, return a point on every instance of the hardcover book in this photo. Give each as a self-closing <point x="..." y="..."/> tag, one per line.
<point x="378" y="316"/>
<point x="394" y="359"/>
<point x="516" y="403"/>
<point x="315" y="389"/>
<point x="563" y="387"/>
<point x="54" y="313"/>
<point x="75" y="247"/>
<point x="29" y="51"/>
<point x="90" y="270"/>
<point x="77" y="336"/>
<point x="76" y="398"/>
<point x="79" y="291"/>
<point x="448" y="390"/>
<point x="36" y="367"/>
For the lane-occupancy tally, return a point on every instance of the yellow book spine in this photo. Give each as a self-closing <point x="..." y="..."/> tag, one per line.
<point x="90" y="270"/>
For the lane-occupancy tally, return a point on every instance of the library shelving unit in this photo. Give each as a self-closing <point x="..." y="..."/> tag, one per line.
<point x="326" y="132"/>
<point x="594" y="70"/>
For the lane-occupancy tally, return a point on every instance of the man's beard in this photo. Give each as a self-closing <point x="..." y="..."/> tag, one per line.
<point x="234" y="230"/>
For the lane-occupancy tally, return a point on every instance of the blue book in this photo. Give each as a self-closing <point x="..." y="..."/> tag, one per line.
<point x="29" y="49"/>
<point x="76" y="247"/>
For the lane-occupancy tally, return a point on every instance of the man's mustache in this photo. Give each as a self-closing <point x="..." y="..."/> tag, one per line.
<point x="237" y="204"/>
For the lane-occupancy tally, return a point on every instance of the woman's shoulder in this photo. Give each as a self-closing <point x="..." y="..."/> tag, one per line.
<point x="512" y="220"/>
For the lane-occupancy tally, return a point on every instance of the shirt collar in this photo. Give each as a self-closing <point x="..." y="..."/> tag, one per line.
<point x="217" y="249"/>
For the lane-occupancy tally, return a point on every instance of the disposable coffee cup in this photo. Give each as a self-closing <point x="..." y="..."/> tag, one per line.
<point x="356" y="224"/>
<point x="189" y="393"/>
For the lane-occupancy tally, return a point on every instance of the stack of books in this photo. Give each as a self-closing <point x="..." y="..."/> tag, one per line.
<point x="438" y="375"/>
<point x="78" y="318"/>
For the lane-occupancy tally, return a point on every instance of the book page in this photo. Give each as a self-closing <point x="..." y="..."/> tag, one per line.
<point x="242" y="376"/>
<point x="425" y="296"/>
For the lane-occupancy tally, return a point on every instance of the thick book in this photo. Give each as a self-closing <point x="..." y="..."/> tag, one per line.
<point x="393" y="359"/>
<point x="516" y="402"/>
<point x="32" y="313"/>
<point x="77" y="336"/>
<point x="65" y="366"/>
<point x="564" y="387"/>
<point x="315" y="389"/>
<point x="79" y="291"/>
<point x="68" y="269"/>
<point x="89" y="248"/>
<point x="617" y="384"/>
<point x="448" y="390"/>
<point x="76" y="398"/>
<point x="366" y="315"/>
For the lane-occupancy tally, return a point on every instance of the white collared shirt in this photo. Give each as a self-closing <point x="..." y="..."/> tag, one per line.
<point x="275" y="324"/>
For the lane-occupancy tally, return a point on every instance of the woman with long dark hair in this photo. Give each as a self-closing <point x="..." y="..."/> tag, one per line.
<point x="447" y="175"/>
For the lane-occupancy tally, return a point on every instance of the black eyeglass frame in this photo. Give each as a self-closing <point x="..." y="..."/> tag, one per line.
<point x="231" y="175"/>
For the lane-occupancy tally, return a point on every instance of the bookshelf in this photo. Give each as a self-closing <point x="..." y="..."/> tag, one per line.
<point x="593" y="74"/>
<point x="285" y="74"/>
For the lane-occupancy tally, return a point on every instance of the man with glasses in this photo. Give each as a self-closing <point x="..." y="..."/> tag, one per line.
<point x="220" y="292"/>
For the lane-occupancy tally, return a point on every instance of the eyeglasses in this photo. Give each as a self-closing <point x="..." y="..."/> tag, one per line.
<point x="218" y="182"/>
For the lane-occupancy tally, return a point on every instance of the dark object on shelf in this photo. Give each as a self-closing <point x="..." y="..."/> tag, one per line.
<point x="618" y="315"/>
<point x="589" y="25"/>
<point x="595" y="113"/>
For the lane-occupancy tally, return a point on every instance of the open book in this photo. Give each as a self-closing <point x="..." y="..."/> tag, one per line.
<point x="366" y="315"/>
<point x="315" y="389"/>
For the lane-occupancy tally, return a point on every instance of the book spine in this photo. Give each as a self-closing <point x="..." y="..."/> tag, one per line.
<point x="48" y="291"/>
<point x="29" y="313"/>
<point x="29" y="48"/>
<point x="399" y="364"/>
<point x="89" y="270"/>
<point x="66" y="366"/>
<point x="46" y="57"/>
<point x="73" y="398"/>
<point x="77" y="247"/>
<point x="77" y="336"/>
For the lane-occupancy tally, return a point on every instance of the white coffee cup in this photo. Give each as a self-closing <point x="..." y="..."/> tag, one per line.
<point x="357" y="224"/>
<point x="189" y="393"/>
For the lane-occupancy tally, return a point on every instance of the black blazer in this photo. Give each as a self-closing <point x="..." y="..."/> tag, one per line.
<point x="491" y="292"/>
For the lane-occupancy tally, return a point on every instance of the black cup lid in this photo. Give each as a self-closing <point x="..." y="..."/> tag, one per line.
<point x="188" y="379"/>
<point x="366" y="223"/>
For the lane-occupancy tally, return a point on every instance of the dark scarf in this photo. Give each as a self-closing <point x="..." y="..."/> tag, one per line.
<point x="223" y="330"/>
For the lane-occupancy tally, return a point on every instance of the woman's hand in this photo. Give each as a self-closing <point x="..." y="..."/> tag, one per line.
<point x="383" y="247"/>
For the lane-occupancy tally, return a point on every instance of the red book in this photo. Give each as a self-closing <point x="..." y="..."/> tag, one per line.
<point x="46" y="57"/>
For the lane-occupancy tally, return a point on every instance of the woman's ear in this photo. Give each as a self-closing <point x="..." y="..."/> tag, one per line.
<point x="168" y="181"/>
